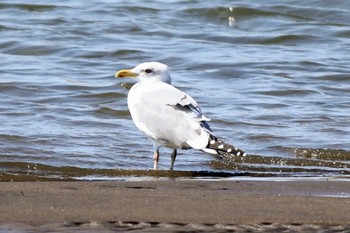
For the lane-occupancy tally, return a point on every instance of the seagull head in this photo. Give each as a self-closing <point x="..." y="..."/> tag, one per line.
<point x="150" y="71"/>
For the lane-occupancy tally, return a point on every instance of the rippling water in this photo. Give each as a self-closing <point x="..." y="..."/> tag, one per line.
<point x="273" y="77"/>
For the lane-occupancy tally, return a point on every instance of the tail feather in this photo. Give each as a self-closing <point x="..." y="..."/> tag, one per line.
<point x="216" y="146"/>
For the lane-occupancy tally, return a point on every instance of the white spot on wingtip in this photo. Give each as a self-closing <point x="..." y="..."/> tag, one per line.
<point x="221" y="146"/>
<point x="238" y="153"/>
<point x="229" y="150"/>
<point x="212" y="142"/>
<point x="244" y="154"/>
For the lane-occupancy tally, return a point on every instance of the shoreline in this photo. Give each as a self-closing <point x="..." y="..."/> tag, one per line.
<point x="177" y="202"/>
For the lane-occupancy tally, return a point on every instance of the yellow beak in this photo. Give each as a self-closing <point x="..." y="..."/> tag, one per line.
<point x="125" y="74"/>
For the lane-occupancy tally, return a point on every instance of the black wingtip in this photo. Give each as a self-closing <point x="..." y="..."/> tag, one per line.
<point x="222" y="148"/>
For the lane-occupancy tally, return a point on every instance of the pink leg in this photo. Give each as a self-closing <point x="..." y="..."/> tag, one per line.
<point x="155" y="160"/>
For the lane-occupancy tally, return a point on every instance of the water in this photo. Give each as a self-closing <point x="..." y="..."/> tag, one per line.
<point x="273" y="77"/>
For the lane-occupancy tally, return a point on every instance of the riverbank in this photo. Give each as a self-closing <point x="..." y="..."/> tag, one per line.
<point x="170" y="204"/>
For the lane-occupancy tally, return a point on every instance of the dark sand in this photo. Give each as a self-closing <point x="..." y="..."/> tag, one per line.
<point x="168" y="205"/>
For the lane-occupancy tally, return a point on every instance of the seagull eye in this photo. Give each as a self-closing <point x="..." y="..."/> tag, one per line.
<point x="148" y="71"/>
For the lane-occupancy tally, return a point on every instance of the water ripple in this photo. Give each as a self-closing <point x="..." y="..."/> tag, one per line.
<point x="273" y="77"/>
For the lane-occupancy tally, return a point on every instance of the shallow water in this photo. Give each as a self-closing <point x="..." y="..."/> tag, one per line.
<point x="273" y="77"/>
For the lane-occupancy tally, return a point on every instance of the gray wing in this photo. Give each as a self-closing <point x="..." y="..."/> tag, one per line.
<point x="184" y="102"/>
<point x="192" y="109"/>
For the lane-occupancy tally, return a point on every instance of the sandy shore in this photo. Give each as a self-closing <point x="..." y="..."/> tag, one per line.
<point x="166" y="205"/>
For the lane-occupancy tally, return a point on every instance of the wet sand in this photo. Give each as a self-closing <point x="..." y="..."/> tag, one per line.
<point x="167" y="205"/>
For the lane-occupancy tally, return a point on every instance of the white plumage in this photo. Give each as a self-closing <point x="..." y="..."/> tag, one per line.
<point x="168" y="116"/>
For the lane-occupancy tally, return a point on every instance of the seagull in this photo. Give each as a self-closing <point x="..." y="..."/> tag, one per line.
<point x="168" y="116"/>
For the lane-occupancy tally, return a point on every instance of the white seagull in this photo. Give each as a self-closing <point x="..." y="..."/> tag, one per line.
<point x="168" y="116"/>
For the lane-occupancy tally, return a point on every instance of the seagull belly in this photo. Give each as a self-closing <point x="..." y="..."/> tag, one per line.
<point x="153" y="112"/>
